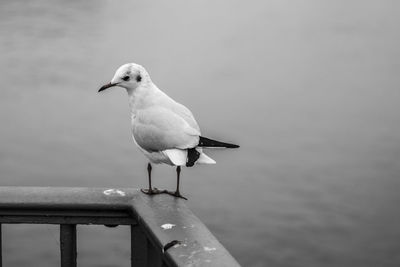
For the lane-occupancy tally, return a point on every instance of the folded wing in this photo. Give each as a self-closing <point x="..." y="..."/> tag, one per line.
<point x="158" y="129"/>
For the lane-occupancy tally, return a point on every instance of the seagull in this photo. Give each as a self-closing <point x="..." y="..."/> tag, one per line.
<point x="163" y="129"/>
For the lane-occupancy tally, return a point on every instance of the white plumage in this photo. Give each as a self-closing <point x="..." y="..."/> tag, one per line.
<point x="164" y="130"/>
<point x="161" y="127"/>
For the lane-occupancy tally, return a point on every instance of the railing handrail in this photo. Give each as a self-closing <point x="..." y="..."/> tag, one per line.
<point x="176" y="236"/>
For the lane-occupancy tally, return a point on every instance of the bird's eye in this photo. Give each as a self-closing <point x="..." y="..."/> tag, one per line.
<point x="138" y="78"/>
<point x="126" y="78"/>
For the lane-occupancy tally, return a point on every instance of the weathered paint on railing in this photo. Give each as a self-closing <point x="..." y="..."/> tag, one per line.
<point x="164" y="232"/>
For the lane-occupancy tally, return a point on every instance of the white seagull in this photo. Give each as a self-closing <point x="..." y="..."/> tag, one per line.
<point x="163" y="129"/>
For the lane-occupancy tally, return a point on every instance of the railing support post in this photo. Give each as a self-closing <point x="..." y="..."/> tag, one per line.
<point x="1" y="246"/>
<point x="68" y="245"/>
<point x="138" y="247"/>
<point x="153" y="256"/>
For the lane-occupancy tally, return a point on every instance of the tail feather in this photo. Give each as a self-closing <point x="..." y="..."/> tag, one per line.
<point x="204" y="159"/>
<point x="206" y="142"/>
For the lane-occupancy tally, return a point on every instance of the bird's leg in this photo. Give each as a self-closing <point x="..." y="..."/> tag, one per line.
<point x="178" y="174"/>
<point x="149" y="168"/>
<point x="150" y="191"/>
<point x="176" y="193"/>
<point x="155" y="191"/>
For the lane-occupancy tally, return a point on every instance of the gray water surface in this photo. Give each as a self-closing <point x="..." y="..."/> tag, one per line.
<point x="309" y="89"/>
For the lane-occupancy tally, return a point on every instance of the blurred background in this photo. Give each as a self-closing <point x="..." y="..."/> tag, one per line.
<point x="309" y="89"/>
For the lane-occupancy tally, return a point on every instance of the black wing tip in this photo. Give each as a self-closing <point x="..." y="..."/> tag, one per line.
<point x="206" y="142"/>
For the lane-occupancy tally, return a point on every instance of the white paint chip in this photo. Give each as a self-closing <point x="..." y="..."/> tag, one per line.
<point x="114" y="192"/>
<point x="209" y="249"/>
<point x="167" y="226"/>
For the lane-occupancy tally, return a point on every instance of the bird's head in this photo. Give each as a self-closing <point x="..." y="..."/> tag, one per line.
<point x="129" y="76"/>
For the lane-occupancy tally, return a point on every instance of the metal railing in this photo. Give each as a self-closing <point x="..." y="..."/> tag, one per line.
<point x="164" y="232"/>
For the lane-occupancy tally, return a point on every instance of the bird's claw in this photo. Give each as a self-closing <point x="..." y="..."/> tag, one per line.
<point x="155" y="191"/>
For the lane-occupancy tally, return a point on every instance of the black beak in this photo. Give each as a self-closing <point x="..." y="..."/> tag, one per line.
<point x="108" y="85"/>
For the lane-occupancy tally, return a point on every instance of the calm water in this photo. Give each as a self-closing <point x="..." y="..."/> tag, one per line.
<point x="309" y="89"/>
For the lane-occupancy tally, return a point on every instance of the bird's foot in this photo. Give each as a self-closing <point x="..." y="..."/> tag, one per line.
<point x="175" y="194"/>
<point x="152" y="191"/>
<point x="155" y="191"/>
